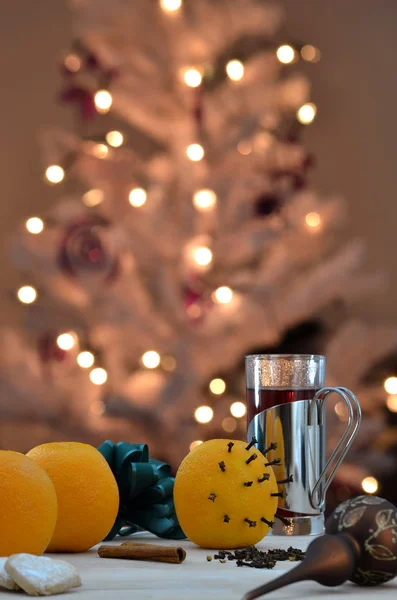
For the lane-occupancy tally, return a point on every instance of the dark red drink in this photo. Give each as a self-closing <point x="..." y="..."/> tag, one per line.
<point x="260" y="399"/>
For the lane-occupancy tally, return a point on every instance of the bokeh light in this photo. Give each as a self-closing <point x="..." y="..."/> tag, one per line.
<point x="238" y="409"/>
<point x="103" y="101"/>
<point x="151" y="359"/>
<point x="370" y="485"/>
<point x="195" y="152"/>
<point x="93" y="197"/>
<point x="195" y="444"/>
<point x="391" y="385"/>
<point x="285" y="54"/>
<point x="170" y="5"/>
<point x="306" y="113"/>
<point x="115" y="138"/>
<point x="204" y="200"/>
<point x="313" y="219"/>
<point x="391" y="403"/>
<point x="310" y="53"/>
<point x="98" y="376"/>
<point x="229" y="424"/>
<point x="66" y="341"/>
<point x="85" y="359"/>
<point x="27" y="294"/>
<point x="34" y="225"/>
<point x="203" y="414"/>
<point x="223" y="295"/>
<point x="202" y="256"/>
<point x="235" y="70"/>
<point x="217" y="386"/>
<point x="72" y="63"/>
<point x="192" y="77"/>
<point x="137" y="197"/>
<point x="54" y="174"/>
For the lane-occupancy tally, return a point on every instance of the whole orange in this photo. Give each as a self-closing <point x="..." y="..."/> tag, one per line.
<point x="223" y="494"/>
<point x="88" y="496"/>
<point x="28" y="505"/>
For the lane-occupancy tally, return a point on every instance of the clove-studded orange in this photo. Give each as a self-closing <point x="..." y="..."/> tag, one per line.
<point x="225" y="494"/>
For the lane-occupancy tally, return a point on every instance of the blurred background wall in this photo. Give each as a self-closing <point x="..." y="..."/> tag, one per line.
<point x="354" y="87"/>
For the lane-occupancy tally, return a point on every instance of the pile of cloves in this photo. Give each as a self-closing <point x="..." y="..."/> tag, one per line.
<point x="258" y="559"/>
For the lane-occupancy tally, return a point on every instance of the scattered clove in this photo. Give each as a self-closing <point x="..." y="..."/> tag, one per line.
<point x="230" y="446"/>
<point x="259" y="559"/>
<point x="265" y="477"/>
<point x="212" y="497"/>
<point x="248" y="483"/>
<point x="222" y="466"/>
<point x="251" y="458"/>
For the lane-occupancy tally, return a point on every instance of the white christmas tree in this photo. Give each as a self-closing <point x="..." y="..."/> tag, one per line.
<point x="186" y="231"/>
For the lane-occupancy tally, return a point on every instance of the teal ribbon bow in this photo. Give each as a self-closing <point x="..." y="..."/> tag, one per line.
<point x="146" y="491"/>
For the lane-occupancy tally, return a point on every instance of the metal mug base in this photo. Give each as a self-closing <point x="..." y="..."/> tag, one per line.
<point x="299" y="526"/>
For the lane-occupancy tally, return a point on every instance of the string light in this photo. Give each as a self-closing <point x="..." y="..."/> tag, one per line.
<point x="313" y="220"/>
<point x="217" y="386"/>
<point x="93" y="197"/>
<point x="285" y="54"/>
<point x="195" y="152"/>
<point x="370" y="485"/>
<point x="238" y="409"/>
<point x="244" y="148"/>
<point x="223" y="295"/>
<point x="306" y="113"/>
<point x="72" y="63"/>
<point x="229" y="424"/>
<point x="390" y="385"/>
<point x="235" y="70"/>
<point x="310" y="53"/>
<point x="391" y="403"/>
<point x="27" y="294"/>
<point x="170" y="5"/>
<point x="98" y="376"/>
<point x="115" y="138"/>
<point x="100" y="150"/>
<point x="203" y="414"/>
<point x="202" y="256"/>
<point x="34" y="225"/>
<point x="194" y="444"/>
<point x="204" y="200"/>
<point x="150" y="359"/>
<point x="85" y="359"/>
<point x="54" y="173"/>
<point x="137" y="197"/>
<point x="66" y="341"/>
<point x="192" y="77"/>
<point x="103" y="101"/>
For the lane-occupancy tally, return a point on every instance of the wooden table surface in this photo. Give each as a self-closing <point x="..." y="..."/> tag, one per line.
<point x="195" y="578"/>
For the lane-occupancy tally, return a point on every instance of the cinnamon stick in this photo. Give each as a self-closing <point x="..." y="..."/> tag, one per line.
<point x="138" y="551"/>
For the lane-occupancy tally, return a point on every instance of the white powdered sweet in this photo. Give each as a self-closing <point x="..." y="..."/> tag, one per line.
<point x="40" y="575"/>
<point x="5" y="580"/>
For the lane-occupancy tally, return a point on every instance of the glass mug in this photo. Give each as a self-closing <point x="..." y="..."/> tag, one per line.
<point x="286" y="401"/>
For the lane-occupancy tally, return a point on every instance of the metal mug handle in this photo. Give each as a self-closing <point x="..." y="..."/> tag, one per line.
<point x="317" y="494"/>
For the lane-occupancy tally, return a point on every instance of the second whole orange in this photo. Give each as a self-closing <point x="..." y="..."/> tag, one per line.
<point x="88" y="496"/>
<point x="28" y="505"/>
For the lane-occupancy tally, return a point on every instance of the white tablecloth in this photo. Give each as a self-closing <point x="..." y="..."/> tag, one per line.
<point x="197" y="579"/>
